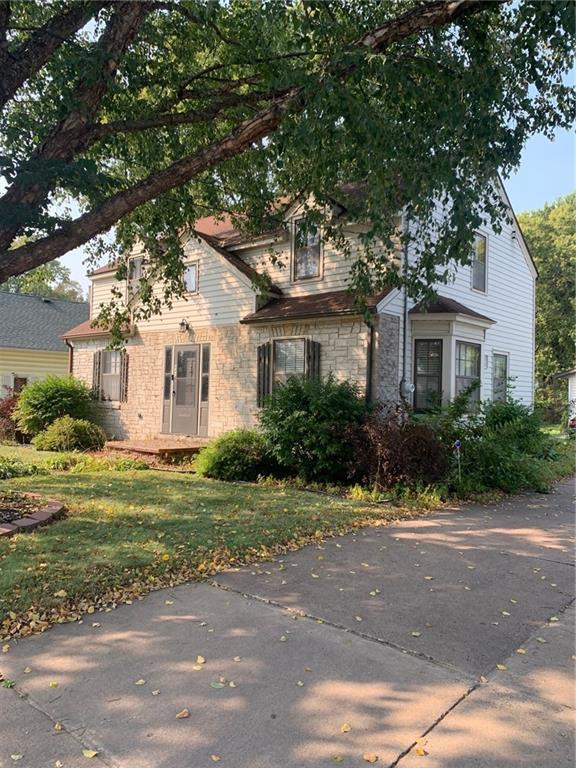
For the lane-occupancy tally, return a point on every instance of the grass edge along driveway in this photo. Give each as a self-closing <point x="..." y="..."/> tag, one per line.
<point x="127" y="533"/>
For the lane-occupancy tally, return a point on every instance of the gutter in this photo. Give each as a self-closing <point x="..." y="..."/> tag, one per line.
<point x="403" y="383"/>
<point x="370" y="363"/>
<point x="302" y="316"/>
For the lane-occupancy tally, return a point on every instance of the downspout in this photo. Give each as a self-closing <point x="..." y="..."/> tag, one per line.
<point x="70" y="356"/>
<point x="404" y="387"/>
<point x="369" y="361"/>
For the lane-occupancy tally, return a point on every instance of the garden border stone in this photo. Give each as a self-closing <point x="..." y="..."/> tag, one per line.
<point x="49" y="512"/>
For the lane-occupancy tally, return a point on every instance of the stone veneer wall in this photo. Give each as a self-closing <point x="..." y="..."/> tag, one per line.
<point x="387" y="356"/>
<point x="232" y="395"/>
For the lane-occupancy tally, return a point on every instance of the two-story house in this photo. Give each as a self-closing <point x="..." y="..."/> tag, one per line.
<point x="204" y="365"/>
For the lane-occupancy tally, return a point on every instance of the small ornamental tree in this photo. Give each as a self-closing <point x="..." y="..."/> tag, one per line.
<point x="42" y="402"/>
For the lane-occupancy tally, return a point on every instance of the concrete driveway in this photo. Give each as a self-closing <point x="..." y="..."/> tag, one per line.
<point x="442" y="642"/>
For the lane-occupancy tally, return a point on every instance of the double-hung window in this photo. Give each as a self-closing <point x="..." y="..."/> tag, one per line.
<point x="499" y="377"/>
<point x="468" y="368"/>
<point x="110" y="375"/>
<point x="307" y="251"/>
<point x="135" y="274"/>
<point x="281" y="359"/>
<point x="427" y="373"/>
<point x="190" y="278"/>
<point x="479" y="263"/>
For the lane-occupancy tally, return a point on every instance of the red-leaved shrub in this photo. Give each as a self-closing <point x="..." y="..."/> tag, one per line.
<point x="389" y="449"/>
<point x="7" y="404"/>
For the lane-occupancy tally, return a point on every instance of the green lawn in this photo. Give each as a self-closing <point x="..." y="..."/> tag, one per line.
<point x="126" y="532"/>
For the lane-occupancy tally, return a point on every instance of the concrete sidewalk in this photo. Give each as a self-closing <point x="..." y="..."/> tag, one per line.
<point x="399" y="642"/>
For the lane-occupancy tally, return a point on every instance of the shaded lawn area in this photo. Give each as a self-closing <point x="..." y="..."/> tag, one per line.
<point x="128" y="532"/>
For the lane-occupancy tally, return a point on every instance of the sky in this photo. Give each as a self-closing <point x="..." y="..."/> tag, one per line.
<point x="547" y="171"/>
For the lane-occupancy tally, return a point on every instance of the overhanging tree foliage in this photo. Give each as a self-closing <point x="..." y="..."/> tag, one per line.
<point x="150" y="115"/>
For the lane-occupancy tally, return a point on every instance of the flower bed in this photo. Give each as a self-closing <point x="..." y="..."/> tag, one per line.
<point x="21" y="512"/>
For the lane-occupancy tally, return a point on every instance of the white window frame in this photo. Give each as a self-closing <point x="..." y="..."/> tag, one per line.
<point x="196" y="266"/>
<point x="474" y="261"/>
<point x="476" y="395"/>
<point x="110" y="376"/>
<point x="312" y="278"/>
<point x="506" y="355"/>
<point x="415" y="374"/>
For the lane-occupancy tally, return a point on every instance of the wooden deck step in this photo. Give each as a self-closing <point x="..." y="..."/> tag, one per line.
<point x="162" y="448"/>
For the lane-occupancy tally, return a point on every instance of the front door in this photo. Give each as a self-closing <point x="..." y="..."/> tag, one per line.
<point x="180" y="407"/>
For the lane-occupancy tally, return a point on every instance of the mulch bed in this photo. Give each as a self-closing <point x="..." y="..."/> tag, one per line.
<point x="15" y="505"/>
<point x="22" y="512"/>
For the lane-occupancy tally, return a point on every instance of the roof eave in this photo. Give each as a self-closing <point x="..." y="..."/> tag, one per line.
<point x="254" y="319"/>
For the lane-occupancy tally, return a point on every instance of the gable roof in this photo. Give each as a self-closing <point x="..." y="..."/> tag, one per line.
<point x="312" y="305"/>
<point x="445" y="306"/>
<point x="33" y="322"/>
<point x="86" y="330"/>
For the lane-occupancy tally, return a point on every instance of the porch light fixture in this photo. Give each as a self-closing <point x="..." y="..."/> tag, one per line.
<point x="184" y="326"/>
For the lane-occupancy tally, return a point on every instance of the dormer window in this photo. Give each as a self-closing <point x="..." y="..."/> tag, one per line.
<point x="307" y="245"/>
<point x="135" y="274"/>
<point x="479" y="263"/>
<point x="190" y="278"/>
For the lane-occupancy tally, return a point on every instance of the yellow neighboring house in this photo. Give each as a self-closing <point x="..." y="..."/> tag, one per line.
<point x="31" y="344"/>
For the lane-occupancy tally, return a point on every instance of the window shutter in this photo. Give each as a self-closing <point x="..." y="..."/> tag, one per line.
<point x="124" y="360"/>
<point x="96" y="371"/>
<point x="264" y="374"/>
<point x="312" y="359"/>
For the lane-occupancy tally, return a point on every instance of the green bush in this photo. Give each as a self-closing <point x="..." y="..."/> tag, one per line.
<point x="14" y="468"/>
<point x="305" y="422"/>
<point x="238" y="455"/>
<point x="68" y="434"/>
<point x="42" y="402"/>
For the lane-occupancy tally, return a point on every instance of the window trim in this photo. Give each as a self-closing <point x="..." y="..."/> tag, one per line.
<point x="477" y="394"/>
<point x="123" y="374"/>
<point x="195" y="264"/>
<point x="481" y="291"/>
<point x="506" y="355"/>
<point x="320" y="275"/>
<point x="415" y="370"/>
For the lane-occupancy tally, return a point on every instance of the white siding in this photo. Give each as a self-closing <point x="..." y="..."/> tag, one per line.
<point x="509" y="301"/>
<point x="224" y="296"/>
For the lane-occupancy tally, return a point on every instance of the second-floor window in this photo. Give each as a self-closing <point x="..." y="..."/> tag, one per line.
<point x="191" y="278"/>
<point x="135" y="274"/>
<point x="479" y="263"/>
<point x="307" y="251"/>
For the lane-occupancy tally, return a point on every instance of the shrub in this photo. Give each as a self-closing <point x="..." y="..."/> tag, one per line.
<point x="7" y="423"/>
<point x="305" y="422"/>
<point x="75" y="462"/>
<point x="390" y="450"/>
<point x="14" y="468"/>
<point x="238" y="455"/>
<point x="42" y="402"/>
<point x="68" y="434"/>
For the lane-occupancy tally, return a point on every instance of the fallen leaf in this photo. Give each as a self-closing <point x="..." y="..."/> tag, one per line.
<point x="16" y="757"/>
<point x="421" y="752"/>
<point x="416" y="634"/>
<point x="140" y="682"/>
<point x="200" y="660"/>
<point x="231" y="684"/>
<point x="236" y="658"/>
<point x="165" y="556"/>
<point x="521" y="651"/>
<point x="541" y="640"/>
<point x="6" y="648"/>
<point x="505" y="613"/>
<point x="89" y="753"/>
<point x="338" y="758"/>
<point x="283" y="639"/>
<point x="156" y="692"/>
<point x="501" y="667"/>
<point x="169" y="602"/>
<point x="27" y="670"/>
<point x="184" y="713"/>
<point x="300" y="684"/>
<point x="345" y="728"/>
<point x="370" y="757"/>
<point x="216" y="685"/>
<point x="58" y="764"/>
<point x="52" y="684"/>
<point x="58" y="727"/>
<point x="215" y="758"/>
<point x="358" y="618"/>
<point x="61" y="593"/>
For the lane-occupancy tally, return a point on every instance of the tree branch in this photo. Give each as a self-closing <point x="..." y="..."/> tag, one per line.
<point x="18" y="66"/>
<point x="76" y="233"/>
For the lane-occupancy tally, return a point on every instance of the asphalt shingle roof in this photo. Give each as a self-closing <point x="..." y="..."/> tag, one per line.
<point x="31" y="322"/>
